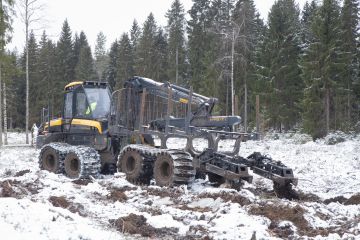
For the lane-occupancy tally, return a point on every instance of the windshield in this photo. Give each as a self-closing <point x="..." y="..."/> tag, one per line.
<point x="99" y="102"/>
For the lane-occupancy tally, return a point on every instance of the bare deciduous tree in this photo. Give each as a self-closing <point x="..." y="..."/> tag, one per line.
<point x="30" y="13"/>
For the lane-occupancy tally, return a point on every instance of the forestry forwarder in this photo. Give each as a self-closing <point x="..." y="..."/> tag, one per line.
<point x="102" y="131"/>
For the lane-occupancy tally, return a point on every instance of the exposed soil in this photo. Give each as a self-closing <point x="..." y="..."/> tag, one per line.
<point x="17" y="189"/>
<point x="227" y="197"/>
<point x="198" y="232"/>
<point x="196" y="209"/>
<point x="173" y="193"/>
<point x="136" y="224"/>
<point x="6" y="189"/>
<point x="279" y="213"/>
<point x="82" y="182"/>
<point x="63" y="202"/>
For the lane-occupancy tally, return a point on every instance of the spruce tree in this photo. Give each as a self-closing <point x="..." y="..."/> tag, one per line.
<point x="145" y="51"/>
<point x="135" y="33"/>
<point x="160" y="57"/>
<point x="65" y="55"/>
<point x="308" y="14"/>
<point x="283" y="81"/>
<point x="176" y="42"/>
<point x="100" y="55"/>
<point x="85" y="69"/>
<point x="35" y="83"/>
<point x="65" y="69"/>
<point x="111" y="70"/>
<point x="198" y="43"/>
<point x="47" y="71"/>
<point x="250" y="33"/>
<point x="351" y="83"/>
<point x="125" y="61"/>
<point x="6" y="7"/>
<point x="322" y="70"/>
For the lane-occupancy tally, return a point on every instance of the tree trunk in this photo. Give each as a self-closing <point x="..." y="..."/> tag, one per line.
<point x="1" y="131"/>
<point x="27" y="72"/>
<point x="1" y="51"/>
<point x="327" y="111"/>
<point x="232" y="72"/>
<point x="177" y="66"/>
<point x="348" y="105"/>
<point x="5" y="117"/>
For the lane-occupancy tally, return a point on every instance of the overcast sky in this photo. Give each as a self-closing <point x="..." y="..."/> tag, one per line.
<point x="113" y="17"/>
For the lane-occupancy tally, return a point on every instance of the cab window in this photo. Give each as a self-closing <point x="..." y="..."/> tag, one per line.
<point x="81" y="104"/>
<point x="68" y="105"/>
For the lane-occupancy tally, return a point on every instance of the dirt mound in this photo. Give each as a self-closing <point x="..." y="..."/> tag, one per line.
<point x="353" y="200"/>
<point x="17" y="189"/>
<point x="286" y="192"/>
<point x="227" y="197"/>
<point x="63" y="202"/>
<point x="339" y="199"/>
<point x="136" y="224"/>
<point x="308" y="197"/>
<point x="22" y="173"/>
<point x="117" y="195"/>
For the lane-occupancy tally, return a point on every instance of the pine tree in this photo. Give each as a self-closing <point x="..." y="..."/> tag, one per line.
<point x="100" y="55"/>
<point x="125" y="61"/>
<point x="176" y="42"/>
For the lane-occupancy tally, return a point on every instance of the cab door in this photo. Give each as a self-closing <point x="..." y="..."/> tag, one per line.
<point x="68" y="111"/>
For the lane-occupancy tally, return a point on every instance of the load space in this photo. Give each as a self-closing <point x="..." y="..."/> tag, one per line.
<point x="128" y="130"/>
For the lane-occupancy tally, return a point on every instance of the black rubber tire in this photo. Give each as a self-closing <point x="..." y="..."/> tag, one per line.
<point x="131" y="163"/>
<point x="50" y="160"/>
<point x="216" y="179"/>
<point x="164" y="170"/>
<point x="72" y="165"/>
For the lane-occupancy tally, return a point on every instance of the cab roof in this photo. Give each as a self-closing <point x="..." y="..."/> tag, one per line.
<point x="85" y="83"/>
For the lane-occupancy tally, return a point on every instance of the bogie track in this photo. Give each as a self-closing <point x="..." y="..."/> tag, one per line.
<point x="75" y="161"/>
<point x="141" y="163"/>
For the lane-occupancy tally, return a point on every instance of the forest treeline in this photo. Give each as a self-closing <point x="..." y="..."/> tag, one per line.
<point x="303" y="63"/>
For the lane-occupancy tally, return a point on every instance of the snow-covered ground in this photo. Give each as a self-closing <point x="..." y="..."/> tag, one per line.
<point x="37" y="204"/>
